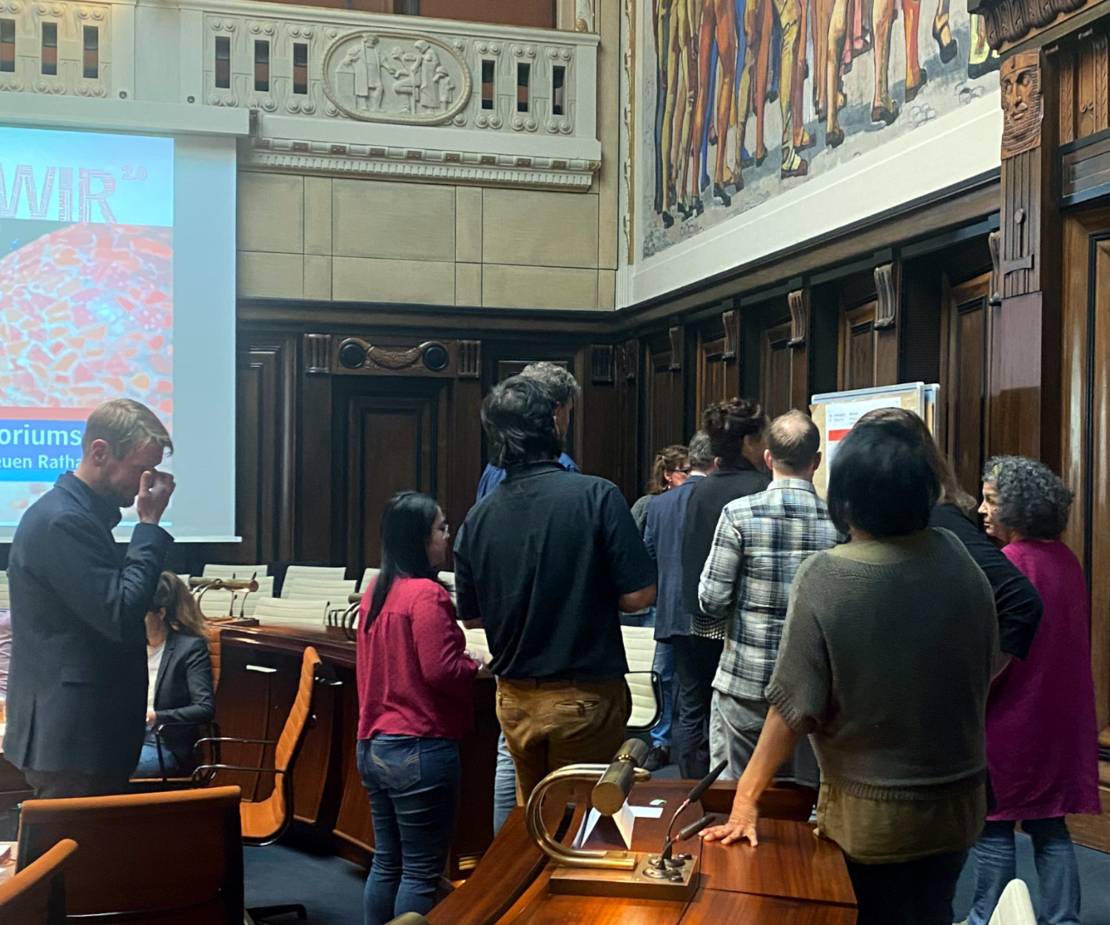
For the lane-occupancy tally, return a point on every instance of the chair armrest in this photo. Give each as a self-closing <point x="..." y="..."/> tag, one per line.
<point x="232" y="767"/>
<point x="235" y="739"/>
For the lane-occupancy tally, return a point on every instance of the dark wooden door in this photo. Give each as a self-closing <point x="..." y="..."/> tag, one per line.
<point x="857" y="348"/>
<point x="1085" y="463"/>
<point x="776" y="367"/>
<point x="392" y="435"/>
<point x="967" y="321"/>
<point x="664" y="397"/>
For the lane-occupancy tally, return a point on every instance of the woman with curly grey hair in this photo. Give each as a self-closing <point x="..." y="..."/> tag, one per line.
<point x="1041" y="729"/>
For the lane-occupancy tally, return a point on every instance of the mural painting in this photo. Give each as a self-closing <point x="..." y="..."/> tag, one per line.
<point x="744" y="99"/>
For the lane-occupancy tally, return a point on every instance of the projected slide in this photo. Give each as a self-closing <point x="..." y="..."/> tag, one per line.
<point x="86" y="293"/>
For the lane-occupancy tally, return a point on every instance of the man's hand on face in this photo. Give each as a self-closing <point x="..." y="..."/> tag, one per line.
<point x="155" y="489"/>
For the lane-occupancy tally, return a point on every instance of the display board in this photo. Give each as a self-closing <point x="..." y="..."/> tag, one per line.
<point x="835" y="414"/>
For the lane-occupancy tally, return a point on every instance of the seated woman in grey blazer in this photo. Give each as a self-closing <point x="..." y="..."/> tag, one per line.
<point x="179" y="679"/>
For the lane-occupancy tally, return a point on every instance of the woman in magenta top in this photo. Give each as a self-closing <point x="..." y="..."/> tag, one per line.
<point x="1042" y="734"/>
<point x="415" y="703"/>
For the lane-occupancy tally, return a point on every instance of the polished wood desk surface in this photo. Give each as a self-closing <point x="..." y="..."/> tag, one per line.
<point x="792" y="877"/>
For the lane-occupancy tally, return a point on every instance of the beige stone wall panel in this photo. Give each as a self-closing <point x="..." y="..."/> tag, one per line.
<point x="538" y="287"/>
<point x="540" y="229"/>
<point x="360" y="279"/>
<point x="404" y="221"/>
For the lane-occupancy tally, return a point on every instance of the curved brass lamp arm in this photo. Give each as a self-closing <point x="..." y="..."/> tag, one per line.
<point x="561" y="854"/>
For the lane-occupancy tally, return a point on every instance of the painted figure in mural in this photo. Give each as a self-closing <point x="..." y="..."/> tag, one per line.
<point x="982" y="60"/>
<point x="788" y="14"/>
<point x="365" y="63"/>
<point x="722" y="64"/>
<point x="717" y="27"/>
<point x="660" y="25"/>
<point x="681" y="97"/>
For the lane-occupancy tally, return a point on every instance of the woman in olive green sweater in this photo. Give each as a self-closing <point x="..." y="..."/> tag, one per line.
<point x="886" y="662"/>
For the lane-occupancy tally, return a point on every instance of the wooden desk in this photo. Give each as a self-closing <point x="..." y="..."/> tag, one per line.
<point x="792" y="878"/>
<point x="259" y="671"/>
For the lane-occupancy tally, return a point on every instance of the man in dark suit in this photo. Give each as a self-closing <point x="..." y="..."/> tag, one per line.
<point x="77" y="688"/>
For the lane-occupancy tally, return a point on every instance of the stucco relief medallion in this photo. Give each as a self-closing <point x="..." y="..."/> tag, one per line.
<point x="396" y="77"/>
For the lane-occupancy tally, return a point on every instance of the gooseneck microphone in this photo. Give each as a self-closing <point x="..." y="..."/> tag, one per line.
<point x="693" y="796"/>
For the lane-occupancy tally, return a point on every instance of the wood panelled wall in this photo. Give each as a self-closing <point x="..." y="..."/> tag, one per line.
<point x="322" y="447"/>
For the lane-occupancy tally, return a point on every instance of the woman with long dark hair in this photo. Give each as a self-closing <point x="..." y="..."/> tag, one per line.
<point x="179" y="680"/>
<point x="415" y="704"/>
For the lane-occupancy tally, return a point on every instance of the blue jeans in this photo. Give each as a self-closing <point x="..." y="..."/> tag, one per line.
<point x="504" y="785"/>
<point x="414" y="793"/>
<point x="1057" y="870"/>
<point x="148" y="762"/>
<point x="663" y="665"/>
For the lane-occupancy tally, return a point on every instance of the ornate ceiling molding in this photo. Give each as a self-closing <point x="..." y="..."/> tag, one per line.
<point x="419" y="164"/>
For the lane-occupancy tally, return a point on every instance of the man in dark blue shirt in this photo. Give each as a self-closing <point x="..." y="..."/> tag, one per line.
<point x="76" y="704"/>
<point x="564" y="390"/>
<point x="663" y="532"/>
<point x="544" y="563"/>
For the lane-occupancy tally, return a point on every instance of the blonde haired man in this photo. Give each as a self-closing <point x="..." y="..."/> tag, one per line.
<point x="77" y="690"/>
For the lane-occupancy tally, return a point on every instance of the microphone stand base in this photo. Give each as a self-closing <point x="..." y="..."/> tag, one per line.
<point x="643" y="882"/>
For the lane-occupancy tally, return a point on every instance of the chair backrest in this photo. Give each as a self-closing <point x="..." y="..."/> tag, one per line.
<point x="280" y="802"/>
<point x="312" y="589"/>
<point x="315" y="573"/>
<point x="215" y="570"/>
<point x="368" y="576"/>
<point x="476" y="642"/>
<point x="146" y="856"/>
<point x="448" y="578"/>
<point x="1014" y="906"/>
<point x="276" y="611"/>
<point x="639" y="649"/>
<point x="36" y="895"/>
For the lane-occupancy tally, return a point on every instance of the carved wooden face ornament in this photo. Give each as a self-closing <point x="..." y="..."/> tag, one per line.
<point x="1022" y="103"/>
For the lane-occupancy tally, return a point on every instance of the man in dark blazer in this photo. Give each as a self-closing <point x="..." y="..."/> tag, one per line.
<point x="77" y="688"/>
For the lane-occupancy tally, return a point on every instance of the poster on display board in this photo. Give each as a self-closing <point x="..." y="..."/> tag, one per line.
<point x="835" y="413"/>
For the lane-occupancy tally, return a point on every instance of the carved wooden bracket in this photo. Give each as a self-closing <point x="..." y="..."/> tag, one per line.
<point x="601" y="364"/>
<point x="1012" y="20"/>
<point x="356" y="354"/>
<point x="731" y="322"/>
<point x="317" y="348"/>
<point x="677" y="348"/>
<point x="798" y="300"/>
<point x="1022" y="103"/>
<point x="994" y="243"/>
<point x="470" y="359"/>
<point x="887" y="289"/>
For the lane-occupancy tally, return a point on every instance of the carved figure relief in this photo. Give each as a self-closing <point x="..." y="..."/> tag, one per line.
<point x="1022" y="104"/>
<point x="394" y="77"/>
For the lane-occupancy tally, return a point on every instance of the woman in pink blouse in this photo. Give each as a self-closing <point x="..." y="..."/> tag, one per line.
<point x="415" y="704"/>
<point x="1042" y="732"/>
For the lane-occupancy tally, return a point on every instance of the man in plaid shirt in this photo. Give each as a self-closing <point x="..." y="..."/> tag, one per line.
<point x="760" y="542"/>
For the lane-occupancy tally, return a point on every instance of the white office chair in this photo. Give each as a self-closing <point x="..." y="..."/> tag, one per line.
<point x="276" y="611"/>
<point x="305" y="589"/>
<point x="213" y="570"/>
<point x="476" y="642"/>
<point x="317" y="573"/>
<point x="643" y="683"/>
<point x="1014" y="906"/>
<point x="368" y="576"/>
<point x="448" y="578"/>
